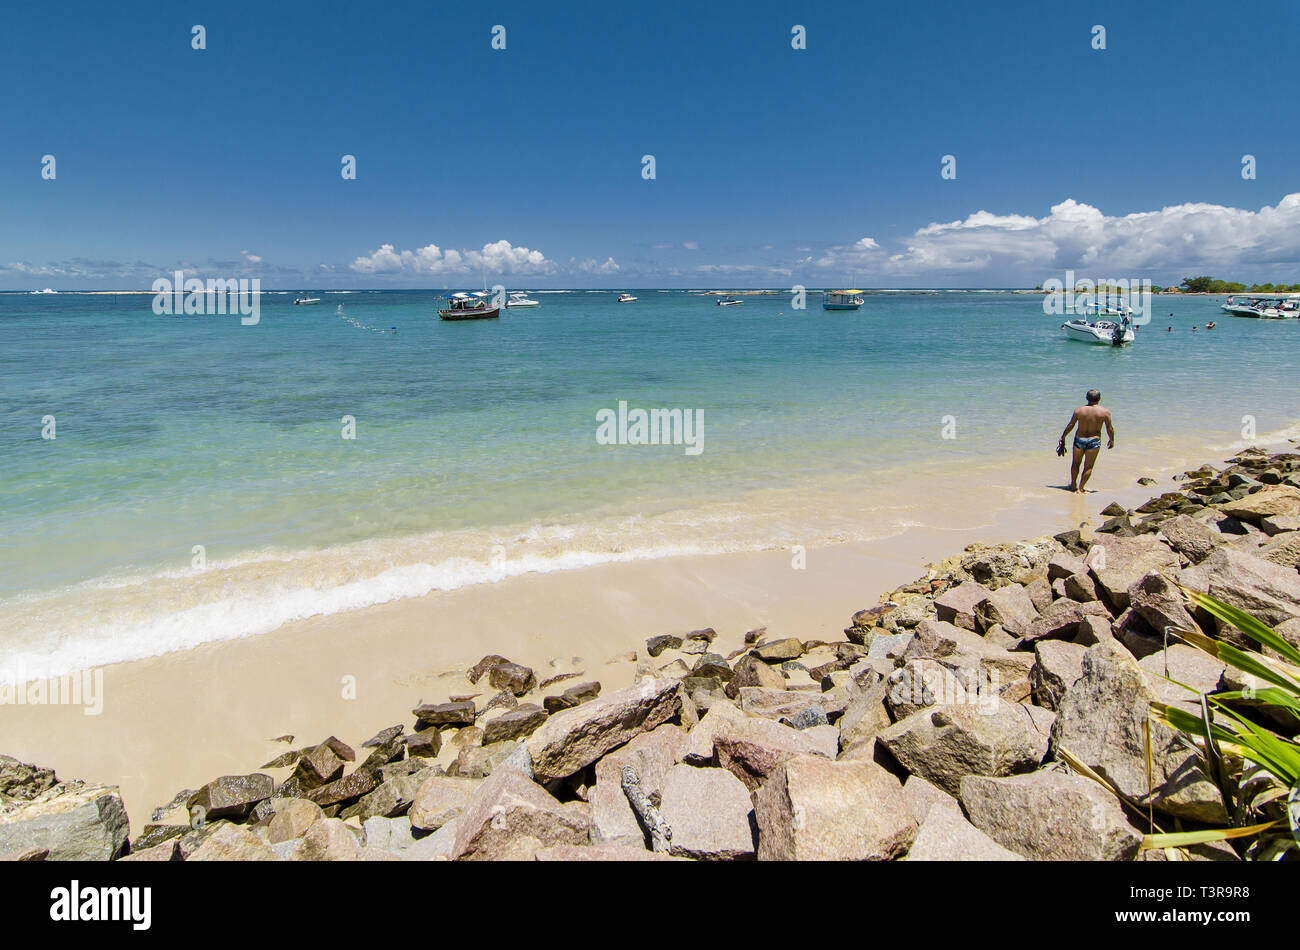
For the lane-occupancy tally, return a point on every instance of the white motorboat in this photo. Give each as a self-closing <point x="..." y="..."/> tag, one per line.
<point x="304" y="300"/>
<point x="1263" y="306"/>
<point x="841" y="299"/>
<point x="521" y="300"/>
<point x="1105" y="332"/>
<point x="729" y="301"/>
<point x="625" y="298"/>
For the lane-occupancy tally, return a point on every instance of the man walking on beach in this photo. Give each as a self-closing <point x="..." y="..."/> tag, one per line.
<point x="1087" y="441"/>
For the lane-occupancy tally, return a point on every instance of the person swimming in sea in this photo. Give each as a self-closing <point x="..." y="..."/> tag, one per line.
<point x="1090" y="419"/>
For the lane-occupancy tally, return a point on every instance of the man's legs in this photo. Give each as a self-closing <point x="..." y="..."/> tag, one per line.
<point x="1074" y="468"/>
<point x="1089" y="460"/>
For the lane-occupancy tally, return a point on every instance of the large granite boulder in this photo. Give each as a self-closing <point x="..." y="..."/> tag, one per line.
<point x="1050" y="816"/>
<point x="574" y="738"/>
<point x="72" y="821"/>
<point x="813" y="809"/>
<point x="1103" y="720"/>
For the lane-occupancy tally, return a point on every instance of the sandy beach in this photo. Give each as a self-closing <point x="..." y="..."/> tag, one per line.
<point x="174" y="721"/>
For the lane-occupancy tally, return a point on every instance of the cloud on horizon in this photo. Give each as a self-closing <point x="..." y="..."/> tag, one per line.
<point x="1176" y="239"/>
<point x="985" y="248"/>
<point x="499" y="257"/>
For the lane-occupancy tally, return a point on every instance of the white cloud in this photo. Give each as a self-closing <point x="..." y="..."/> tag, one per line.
<point x="691" y="245"/>
<point x="1208" y="238"/>
<point x="593" y="266"/>
<point x="250" y="258"/>
<point x="498" y="257"/>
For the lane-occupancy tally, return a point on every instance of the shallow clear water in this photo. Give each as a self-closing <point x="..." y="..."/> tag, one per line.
<point x="476" y="455"/>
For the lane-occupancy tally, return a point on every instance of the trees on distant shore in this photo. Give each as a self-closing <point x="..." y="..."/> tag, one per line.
<point x="1209" y="285"/>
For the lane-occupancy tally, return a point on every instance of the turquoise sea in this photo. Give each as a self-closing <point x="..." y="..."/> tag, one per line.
<point x="475" y="452"/>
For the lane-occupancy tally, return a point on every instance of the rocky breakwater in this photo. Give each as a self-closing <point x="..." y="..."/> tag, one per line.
<point x="941" y="727"/>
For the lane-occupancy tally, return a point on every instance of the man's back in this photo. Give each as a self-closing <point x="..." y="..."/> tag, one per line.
<point x="1091" y="420"/>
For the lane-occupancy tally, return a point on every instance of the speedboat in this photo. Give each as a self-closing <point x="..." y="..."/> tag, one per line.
<point x="625" y="298"/>
<point x="1263" y="306"/>
<point x="304" y="300"/>
<point x="521" y="300"/>
<point x="841" y="299"/>
<point x="468" y="307"/>
<point x="1105" y="332"/>
<point x="729" y="301"/>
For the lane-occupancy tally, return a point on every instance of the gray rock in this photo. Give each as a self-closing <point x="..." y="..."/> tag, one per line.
<point x="1103" y="721"/>
<point x="708" y="811"/>
<point x="74" y="822"/>
<point x="921" y="795"/>
<point x="574" y="738"/>
<point x="752" y="749"/>
<point x="521" y="721"/>
<point x="1050" y="816"/>
<point x="1191" y="538"/>
<point x="1009" y="607"/>
<point x="656" y="645"/>
<point x="513" y="677"/>
<point x="945" y="743"/>
<point x="446" y="714"/>
<point x="232" y="796"/>
<point x="232" y="843"/>
<point x="1118" y="563"/>
<point x="439" y="799"/>
<point x="778" y="651"/>
<point x="957" y="604"/>
<point x="813" y="809"/>
<point x="1057" y="664"/>
<point x="650" y="755"/>
<point x="947" y="836"/>
<point x="510" y="817"/>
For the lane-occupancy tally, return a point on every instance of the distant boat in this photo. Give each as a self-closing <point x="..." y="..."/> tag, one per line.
<point x="841" y="300"/>
<point x="304" y="300"/>
<point x="521" y="300"/>
<point x="625" y="298"/>
<point x="729" y="301"/>
<point x="1263" y="306"/>
<point x="469" y="307"/>
<point x="1105" y="332"/>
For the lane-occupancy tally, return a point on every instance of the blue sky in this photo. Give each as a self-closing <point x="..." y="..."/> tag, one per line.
<point x="774" y="166"/>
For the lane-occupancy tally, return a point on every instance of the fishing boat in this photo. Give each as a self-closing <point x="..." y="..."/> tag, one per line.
<point x="520" y="299"/>
<point x="1263" y="306"/>
<point x="841" y="299"/>
<point x="303" y="300"/>
<point x="473" y="306"/>
<point x="1105" y="332"/>
<point x="625" y="298"/>
<point x="729" y="301"/>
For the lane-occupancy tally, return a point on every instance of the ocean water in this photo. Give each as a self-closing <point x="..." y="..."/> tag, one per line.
<point x="475" y="454"/>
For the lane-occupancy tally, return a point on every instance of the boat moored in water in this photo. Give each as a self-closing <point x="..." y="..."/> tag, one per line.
<point x="1105" y="332"/>
<point x="519" y="299"/>
<point x="473" y="306"/>
<point x="729" y="301"/>
<point x="625" y="298"/>
<point x="303" y="300"/>
<point x="841" y="299"/>
<point x="1263" y="306"/>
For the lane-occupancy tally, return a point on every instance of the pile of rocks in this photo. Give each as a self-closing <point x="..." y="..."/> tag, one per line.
<point x="939" y="728"/>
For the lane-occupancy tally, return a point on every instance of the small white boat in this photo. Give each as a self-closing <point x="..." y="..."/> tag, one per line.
<point x="1105" y="332"/>
<point x="304" y="300"/>
<point x="625" y="298"/>
<point x="729" y="301"/>
<point x="841" y="299"/>
<point x="521" y="300"/>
